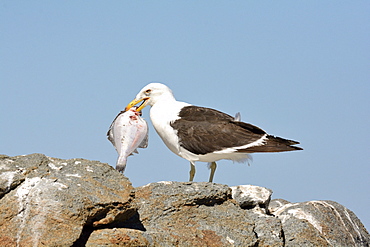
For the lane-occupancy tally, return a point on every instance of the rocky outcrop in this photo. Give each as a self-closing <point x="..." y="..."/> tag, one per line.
<point x="52" y="202"/>
<point x="319" y="223"/>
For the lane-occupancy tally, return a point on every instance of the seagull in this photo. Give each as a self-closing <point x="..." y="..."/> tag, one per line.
<point x="204" y="134"/>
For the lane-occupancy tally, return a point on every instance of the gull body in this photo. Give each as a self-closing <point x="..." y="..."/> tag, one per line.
<point x="204" y="134"/>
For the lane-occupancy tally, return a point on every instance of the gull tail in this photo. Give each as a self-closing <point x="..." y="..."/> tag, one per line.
<point x="273" y="144"/>
<point x="121" y="163"/>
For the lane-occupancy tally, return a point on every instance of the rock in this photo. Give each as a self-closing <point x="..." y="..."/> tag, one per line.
<point x="48" y="201"/>
<point x="200" y="214"/>
<point x="118" y="237"/>
<point x="269" y="231"/>
<point x="52" y="202"/>
<point x="190" y="214"/>
<point x="319" y="223"/>
<point x="276" y="204"/>
<point x="251" y="196"/>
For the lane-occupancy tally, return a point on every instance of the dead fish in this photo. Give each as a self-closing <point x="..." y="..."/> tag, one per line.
<point x="128" y="132"/>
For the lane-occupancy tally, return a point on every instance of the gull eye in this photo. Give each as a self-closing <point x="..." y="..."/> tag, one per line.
<point x="147" y="92"/>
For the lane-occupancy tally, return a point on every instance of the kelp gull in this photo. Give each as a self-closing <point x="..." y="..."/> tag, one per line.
<point x="204" y="134"/>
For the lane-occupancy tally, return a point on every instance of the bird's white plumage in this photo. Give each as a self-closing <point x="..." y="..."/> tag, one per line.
<point x="165" y="109"/>
<point x="162" y="113"/>
<point x="258" y="142"/>
<point x="204" y="134"/>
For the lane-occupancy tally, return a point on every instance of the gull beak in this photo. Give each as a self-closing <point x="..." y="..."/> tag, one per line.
<point x="135" y="101"/>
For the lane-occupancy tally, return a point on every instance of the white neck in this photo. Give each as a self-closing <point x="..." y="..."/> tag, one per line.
<point x="162" y="113"/>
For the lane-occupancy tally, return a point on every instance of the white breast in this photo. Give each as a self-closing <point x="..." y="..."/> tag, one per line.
<point x="162" y="114"/>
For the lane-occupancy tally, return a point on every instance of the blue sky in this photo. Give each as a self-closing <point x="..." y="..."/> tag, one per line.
<point x="299" y="70"/>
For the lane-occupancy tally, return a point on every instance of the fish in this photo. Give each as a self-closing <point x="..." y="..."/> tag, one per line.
<point x="128" y="132"/>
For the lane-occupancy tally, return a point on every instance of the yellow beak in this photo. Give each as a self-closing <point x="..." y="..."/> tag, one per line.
<point x="134" y="102"/>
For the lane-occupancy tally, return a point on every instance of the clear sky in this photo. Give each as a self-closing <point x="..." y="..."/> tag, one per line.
<point x="297" y="69"/>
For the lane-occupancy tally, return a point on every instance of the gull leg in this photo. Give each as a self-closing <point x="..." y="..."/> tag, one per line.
<point x="213" y="167"/>
<point x="192" y="171"/>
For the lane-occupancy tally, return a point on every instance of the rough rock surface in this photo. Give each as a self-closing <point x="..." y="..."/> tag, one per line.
<point x="51" y="202"/>
<point x="319" y="223"/>
<point x="250" y="196"/>
<point x="193" y="214"/>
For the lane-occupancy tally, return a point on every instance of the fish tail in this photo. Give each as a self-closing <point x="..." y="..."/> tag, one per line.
<point x="121" y="163"/>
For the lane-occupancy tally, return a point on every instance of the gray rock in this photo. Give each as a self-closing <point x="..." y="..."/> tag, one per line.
<point x="276" y="204"/>
<point x="48" y="201"/>
<point x="268" y="230"/>
<point x="193" y="214"/>
<point x="52" y="202"/>
<point x="251" y="196"/>
<point x="320" y="223"/>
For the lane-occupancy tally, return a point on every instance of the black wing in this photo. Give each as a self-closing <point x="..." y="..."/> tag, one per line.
<point x="203" y="130"/>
